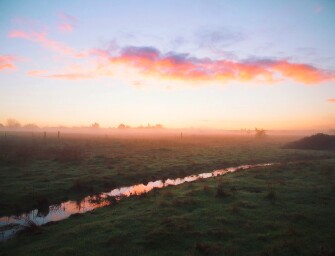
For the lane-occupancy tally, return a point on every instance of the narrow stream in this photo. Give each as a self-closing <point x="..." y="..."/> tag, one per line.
<point x="10" y="225"/>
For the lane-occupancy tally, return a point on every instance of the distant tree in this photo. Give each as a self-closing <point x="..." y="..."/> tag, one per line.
<point x="158" y="126"/>
<point x="30" y="126"/>
<point x="1" y="125"/>
<point x="121" y="126"/>
<point x="95" y="126"/>
<point x="260" y="133"/>
<point x="13" y="123"/>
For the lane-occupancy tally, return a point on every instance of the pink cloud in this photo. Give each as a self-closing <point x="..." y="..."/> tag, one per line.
<point x="7" y="62"/>
<point x="331" y="100"/>
<point x="150" y="61"/>
<point x="67" y="22"/>
<point x="42" y="39"/>
<point x="72" y="76"/>
<point x="66" y="27"/>
<point x="37" y="72"/>
<point x="304" y="73"/>
<point x="72" y="72"/>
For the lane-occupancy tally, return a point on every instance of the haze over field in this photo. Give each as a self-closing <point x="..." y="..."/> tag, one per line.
<point x="208" y="64"/>
<point x="193" y="127"/>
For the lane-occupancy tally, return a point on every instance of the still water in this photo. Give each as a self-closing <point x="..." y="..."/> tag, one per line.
<point x="10" y="225"/>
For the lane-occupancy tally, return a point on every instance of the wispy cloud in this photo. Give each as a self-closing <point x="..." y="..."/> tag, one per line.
<point x="37" y="72"/>
<point x="7" y="62"/>
<point x="67" y="22"/>
<point x="66" y="27"/>
<point x="73" y="72"/>
<point x="151" y="62"/>
<point x="332" y="100"/>
<point x="218" y="38"/>
<point x="42" y="39"/>
<point x="307" y="50"/>
<point x="72" y="76"/>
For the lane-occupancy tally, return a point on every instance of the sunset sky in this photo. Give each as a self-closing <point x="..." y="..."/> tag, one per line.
<point x="196" y="63"/>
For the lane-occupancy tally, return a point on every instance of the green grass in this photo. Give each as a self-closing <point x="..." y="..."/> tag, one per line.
<point x="286" y="209"/>
<point x="35" y="172"/>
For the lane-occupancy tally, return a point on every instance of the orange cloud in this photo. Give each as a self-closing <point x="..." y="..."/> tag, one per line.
<point x="72" y="72"/>
<point x="303" y="73"/>
<point x="36" y="72"/>
<point x="7" y="62"/>
<point x="149" y="61"/>
<point x="44" y="41"/>
<point x="331" y="100"/>
<point x="71" y="76"/>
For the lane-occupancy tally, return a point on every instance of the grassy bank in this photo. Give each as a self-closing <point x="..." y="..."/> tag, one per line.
<point x="282" y="210"/>
<point x="35" y="172"/>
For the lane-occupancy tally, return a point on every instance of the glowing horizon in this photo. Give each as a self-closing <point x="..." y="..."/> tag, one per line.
<point x="200" y="64"/>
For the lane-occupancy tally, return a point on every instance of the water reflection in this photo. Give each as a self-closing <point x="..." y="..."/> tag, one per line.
<point x="10" y="225"/>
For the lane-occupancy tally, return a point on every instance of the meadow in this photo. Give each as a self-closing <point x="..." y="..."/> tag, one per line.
<point x="282" y="210"/>
<point x="286" y="209"/>
<point x="35" y="172"/>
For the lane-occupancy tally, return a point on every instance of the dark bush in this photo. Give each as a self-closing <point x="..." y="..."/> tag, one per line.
<point x="318" y="141"/>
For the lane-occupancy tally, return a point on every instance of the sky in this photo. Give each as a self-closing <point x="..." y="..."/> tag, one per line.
<point x="191" y="63"/>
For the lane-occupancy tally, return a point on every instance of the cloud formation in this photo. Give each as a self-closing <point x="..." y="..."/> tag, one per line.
<point x="72" y="72"/>
<point x="7" y="62"/>
<point x="67" y="22"/>
<point x="331" y="100"/>
<point x="72" y="76"/>
<point x="42" y="39"/>
<point x="36" y="72"/>
<point x="150" y="61"/>
<point x="66" y="27"/>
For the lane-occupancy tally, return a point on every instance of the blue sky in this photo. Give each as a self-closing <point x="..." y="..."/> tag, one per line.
<point x="215" y="64"/>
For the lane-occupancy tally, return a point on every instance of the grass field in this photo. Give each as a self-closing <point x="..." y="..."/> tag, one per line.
<point x="34" y="171"/>
<point x="287" y="209"/>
